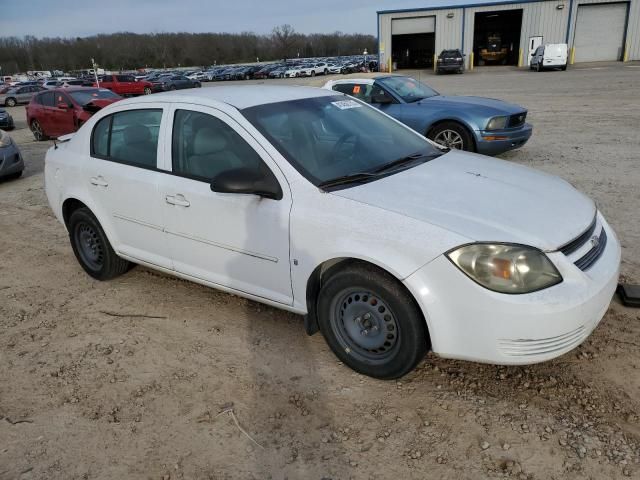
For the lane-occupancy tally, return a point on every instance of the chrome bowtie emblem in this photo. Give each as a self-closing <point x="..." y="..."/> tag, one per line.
<point x="595" y="241"/>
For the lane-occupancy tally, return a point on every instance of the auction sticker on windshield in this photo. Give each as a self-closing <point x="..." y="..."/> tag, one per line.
<point x="346" y="104"/>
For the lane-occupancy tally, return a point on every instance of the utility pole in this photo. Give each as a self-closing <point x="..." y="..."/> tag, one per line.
<point x="95" y="71"/>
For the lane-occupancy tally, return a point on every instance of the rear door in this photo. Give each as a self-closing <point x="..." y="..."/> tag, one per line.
<point x="123" y="176"/>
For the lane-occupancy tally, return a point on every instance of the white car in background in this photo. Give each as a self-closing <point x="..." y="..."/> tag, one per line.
<point x="314" y="202"/>
<point x="200" y="76"/>
<point x="552" y="55"/>
<point x="295" y="71"/>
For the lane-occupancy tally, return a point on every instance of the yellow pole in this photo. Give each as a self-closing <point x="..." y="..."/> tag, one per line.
<point x="471" y="61"/>
<point x="572" y="56"/>
<point x="625" y="57"/>
<point x="390" y="65"/>
<point x="435" y="62"/>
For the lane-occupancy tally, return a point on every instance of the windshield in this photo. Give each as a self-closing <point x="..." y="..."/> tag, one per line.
<point x="333" y="136"/>
<point x="85" y="96"/>
<point x="407" y="88"/>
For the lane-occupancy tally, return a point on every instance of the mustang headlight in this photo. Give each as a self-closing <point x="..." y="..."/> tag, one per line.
<point x="506" y="268"/>
<point x="5" y="139"/>
<point x="497" y="123"/>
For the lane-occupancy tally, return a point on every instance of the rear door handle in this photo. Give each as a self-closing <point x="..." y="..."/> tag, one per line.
<point x="177" y="200"/>
<point x="99" y="181"/>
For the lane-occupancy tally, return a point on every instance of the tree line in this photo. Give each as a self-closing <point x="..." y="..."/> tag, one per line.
<point x="127" y="51"/>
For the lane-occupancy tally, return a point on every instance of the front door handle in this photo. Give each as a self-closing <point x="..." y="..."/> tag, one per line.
<point x="99" y="181"/>
<point x="177" y="200"/>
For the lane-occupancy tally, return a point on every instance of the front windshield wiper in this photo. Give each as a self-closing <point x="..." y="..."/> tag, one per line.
<point x="349" y="178"/>
<point x="400" y="162"/>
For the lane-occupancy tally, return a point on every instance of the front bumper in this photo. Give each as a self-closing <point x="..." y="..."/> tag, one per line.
<point x="467" y="321"/>
<point x="500" y="141"/>
<point x="10" y="160"/>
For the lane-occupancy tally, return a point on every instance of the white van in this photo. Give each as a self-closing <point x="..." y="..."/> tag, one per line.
<point x="552" y="55"/>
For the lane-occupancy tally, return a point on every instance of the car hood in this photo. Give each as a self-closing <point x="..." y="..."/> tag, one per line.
<point x="499" y="107"/>
<point x="483" y="199"/>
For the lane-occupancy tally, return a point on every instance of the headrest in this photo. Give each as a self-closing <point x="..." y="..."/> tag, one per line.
<point x="208" y="141"/>
<point x="136" y="134"/>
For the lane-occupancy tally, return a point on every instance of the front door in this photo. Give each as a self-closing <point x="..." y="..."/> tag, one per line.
<point x="61" y="116"/>
<point x="239" y="241"/>
<point x="534" y="43"/>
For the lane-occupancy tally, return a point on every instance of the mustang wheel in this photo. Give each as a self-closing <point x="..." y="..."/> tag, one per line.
<point x="37" y="131"/>
<point x="92" y="248"/>
<point x="371" y="322"/>
<point x="451" y="135"/>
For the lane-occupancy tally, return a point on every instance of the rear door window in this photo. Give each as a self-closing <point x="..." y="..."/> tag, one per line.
<point x="129" y="137"/>
<point x="48" y="99"/>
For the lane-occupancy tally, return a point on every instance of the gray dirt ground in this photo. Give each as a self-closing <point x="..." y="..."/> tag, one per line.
<point x="86" y="394"/>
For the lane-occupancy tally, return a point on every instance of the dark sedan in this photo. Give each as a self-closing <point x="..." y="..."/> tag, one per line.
<point x="6" y="120"/>
<point x="11" y="162"/>
<point x="174" y="82"/>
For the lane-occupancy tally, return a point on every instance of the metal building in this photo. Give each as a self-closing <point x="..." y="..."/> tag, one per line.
<point x="507" y="32"/>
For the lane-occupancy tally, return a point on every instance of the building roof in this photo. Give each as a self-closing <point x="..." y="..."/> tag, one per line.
<point x="462" y="4"/>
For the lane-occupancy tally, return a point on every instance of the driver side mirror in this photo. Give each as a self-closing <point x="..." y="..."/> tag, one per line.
<point x="381" y="99"/>
<point x="248" y="181"/>
<point x="63" y="106"/>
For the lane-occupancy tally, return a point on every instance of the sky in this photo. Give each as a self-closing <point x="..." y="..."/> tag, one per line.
<point x="79" y="18"/>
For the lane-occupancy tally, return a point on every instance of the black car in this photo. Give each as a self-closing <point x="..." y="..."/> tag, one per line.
<point x="6" y="120"/>
<point x="450" y="61"/>
<point x="174" y="82"/>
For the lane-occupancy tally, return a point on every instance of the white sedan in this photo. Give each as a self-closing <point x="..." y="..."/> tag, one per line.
<point x="311" y="201"/>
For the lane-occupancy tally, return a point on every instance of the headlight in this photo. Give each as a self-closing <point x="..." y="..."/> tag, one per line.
<point x="5" y="139"/>
<point x="506" y="268"/>
<point x="458" y="59"/>
<point x="497" y="123"/>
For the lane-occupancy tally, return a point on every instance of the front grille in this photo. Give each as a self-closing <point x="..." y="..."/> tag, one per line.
<point x="542" y="346"/>
<point x="517" y="120"/>
<point x="586" y="261"/>
<point x="577" y="243"/>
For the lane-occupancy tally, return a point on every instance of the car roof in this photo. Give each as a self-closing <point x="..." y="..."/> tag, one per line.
<point x="240" y="96"/>
<point x="74" y="89"/>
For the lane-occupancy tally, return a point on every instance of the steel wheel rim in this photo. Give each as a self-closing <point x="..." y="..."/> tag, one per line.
<point x="90" y="246"/>
<point x="450" y="139"/>
<point x="147" y="90"/>
<point x="365" y="326"/>
<point x="11" y="102"/>
<point x="36" y="129"/>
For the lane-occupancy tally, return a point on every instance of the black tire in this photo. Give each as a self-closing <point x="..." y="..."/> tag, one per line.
<point x="13" y="176"/>
<point x="10" y="102"/>
<point x="326" y="71"/>
<point x="398" y="322"/>
<point x="461" y="131"/>
<point x="563" y="68"/>
<point x="313" y="73"/>
<point x="538" y="67"/>
<point x="92" y="248"/>
<point x="172" y="87"/>
<point x="37" y="131"/>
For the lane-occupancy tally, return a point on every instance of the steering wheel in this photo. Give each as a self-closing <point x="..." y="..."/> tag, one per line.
<point x="341" y="141"/>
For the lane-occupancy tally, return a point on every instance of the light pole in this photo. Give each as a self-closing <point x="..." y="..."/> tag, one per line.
<point x="95" y="72"/>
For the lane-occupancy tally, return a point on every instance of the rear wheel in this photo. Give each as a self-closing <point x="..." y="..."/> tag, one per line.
<point x="538" y="67"/>
<point x="10" y="102"/>
<point x="147" y="90"/>
<point x="564" y="67"/>
<point x="451" y="135"/>
<point x="172" y="87"/>
<point x="92" y="248"/>
<point x="371" y="322"/>
<point x="37" y="131"/>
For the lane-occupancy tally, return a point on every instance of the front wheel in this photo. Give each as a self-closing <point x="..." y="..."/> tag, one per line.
<point x="92" y="248"/>
<point x="451" y="135"/>
<point x="313" y="73"/>
<point x="371" y="322"/>
<point x="10" y="102"/>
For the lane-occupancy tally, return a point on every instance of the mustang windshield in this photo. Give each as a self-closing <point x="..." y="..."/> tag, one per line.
<point x="407" y="88"/>
<point x="330" y="137"/>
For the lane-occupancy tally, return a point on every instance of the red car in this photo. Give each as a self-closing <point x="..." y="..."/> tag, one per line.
<point x="125" y="85"/>
<point x="59" y="111"/>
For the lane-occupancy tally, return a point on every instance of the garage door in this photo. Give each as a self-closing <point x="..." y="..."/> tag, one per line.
<point x="404" y="26"/>
<point x="600" y="32"/>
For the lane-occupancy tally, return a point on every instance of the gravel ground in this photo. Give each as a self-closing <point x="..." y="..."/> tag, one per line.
<point x="152" y="377"/>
